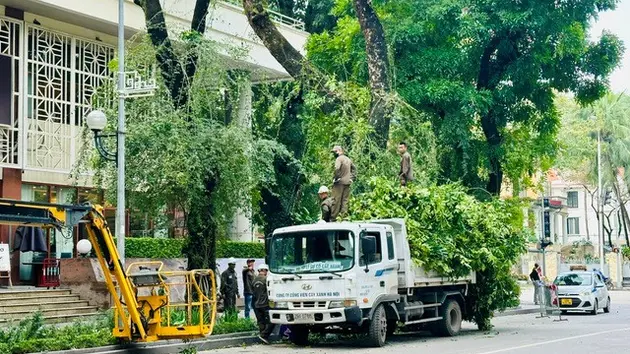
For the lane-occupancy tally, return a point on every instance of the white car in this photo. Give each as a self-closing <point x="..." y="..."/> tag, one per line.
<point x="582" y="291"/>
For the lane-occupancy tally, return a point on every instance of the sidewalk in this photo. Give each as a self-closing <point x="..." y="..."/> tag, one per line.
<point x="527" y="304"/>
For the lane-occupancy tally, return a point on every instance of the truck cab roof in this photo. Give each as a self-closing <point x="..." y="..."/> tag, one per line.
<point x="344" y="225"/>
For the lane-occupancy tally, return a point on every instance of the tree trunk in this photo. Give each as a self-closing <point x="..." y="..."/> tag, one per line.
<point x="378" y="69"/>
<point x="290" y="59"/>
<point x="177" y="76"/>
<point x="622" y="205"/>
<point x="494" y="140"/>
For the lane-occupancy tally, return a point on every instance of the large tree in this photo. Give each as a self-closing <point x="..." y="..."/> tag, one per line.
<point x="486" y="72"/>
<point x="299" y="68"/>
<point x="577" y="158"/>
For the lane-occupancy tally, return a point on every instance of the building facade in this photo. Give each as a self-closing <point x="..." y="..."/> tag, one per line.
<point x="54" y="54"/>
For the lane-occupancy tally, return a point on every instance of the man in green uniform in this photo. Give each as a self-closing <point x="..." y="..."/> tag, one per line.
<point x="229" y="287"/>
<point x="261" y="304"/>
<point x="327" y="203"/>
<point x="345" y="174"/>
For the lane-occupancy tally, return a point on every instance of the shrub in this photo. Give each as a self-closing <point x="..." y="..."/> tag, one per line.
<point x="144" y="247"/>
<point x="233" y="324"/>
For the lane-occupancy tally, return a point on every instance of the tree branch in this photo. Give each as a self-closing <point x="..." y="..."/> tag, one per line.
<point x="290" y="58"/>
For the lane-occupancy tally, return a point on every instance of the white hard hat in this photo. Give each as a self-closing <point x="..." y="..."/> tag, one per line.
<point x="232" y="260"/>
<point x="263" y="267"/>
<point x="323" y="189"/>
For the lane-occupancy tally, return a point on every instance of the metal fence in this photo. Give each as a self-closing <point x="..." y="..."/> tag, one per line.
<point x="275" y="16"/>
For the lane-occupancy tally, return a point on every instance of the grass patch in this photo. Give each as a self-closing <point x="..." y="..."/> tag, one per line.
<point x="231" y="323"/>
<point x="31" y="335"/>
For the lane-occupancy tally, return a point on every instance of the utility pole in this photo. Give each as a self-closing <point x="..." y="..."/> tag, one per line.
<point x="120" y="186"/>
<point x="600" y="200"/>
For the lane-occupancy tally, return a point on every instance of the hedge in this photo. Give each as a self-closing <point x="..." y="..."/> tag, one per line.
<point x="145" y="247"/>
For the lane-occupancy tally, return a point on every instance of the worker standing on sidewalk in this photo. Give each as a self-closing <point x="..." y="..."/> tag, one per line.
<point x="248" y="280"/>
<point x="261" y="304"/>
<point x="229" y="287"/>
<point x="534" y="276"/>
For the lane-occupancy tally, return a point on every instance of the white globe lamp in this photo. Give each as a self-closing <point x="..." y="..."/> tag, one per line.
<point x="84" y="247"/>
<point x="96" y="120"/>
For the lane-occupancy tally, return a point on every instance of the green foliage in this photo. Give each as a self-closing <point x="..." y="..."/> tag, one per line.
<point x="31" y="336"/>
<point x="144" y="247"/>
<point x="625" y="250"/>
<point x="233" y="324"/>
<point x="487" y="112"/>
<point x="452" y="233"/>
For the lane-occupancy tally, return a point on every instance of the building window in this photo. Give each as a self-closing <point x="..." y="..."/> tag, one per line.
<point x="572" y="199"/>
<point x="573" y="226"/>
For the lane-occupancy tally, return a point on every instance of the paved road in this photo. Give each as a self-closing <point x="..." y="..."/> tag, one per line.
<point x="522" y="334"/>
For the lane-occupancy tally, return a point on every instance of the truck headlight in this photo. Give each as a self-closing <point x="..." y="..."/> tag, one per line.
<point x="279" y="305"/>
<point x="342" y="303"/>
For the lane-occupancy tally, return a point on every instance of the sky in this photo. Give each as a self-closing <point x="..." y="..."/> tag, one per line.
<point x="617" y="22"/>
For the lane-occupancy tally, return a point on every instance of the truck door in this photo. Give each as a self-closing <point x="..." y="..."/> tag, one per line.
<point x="381" y="276"/>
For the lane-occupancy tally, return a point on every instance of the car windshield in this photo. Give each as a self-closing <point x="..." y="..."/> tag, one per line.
<point x="312" y="252"/>
<point x="574" y="279"/>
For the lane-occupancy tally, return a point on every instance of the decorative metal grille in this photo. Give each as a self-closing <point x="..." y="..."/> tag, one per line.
<point x="11" y="46"/>
<point x="62" y="75"/>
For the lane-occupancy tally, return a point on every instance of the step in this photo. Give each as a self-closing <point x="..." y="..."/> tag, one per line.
<point x="32" y="293"/>
<point x="50" y="312"/>
<point x="55" y="319"/>
<point x="4" y="308"/>
<point x="42" y="299"/>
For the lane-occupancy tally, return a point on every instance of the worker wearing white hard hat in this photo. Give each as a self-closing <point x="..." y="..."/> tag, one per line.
<point x="261" y="304"/>
<point x="263" y="267"/>
<point x="327" y="203"/>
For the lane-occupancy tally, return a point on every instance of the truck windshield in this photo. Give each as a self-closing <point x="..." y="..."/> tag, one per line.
<point x="312" y="252"/>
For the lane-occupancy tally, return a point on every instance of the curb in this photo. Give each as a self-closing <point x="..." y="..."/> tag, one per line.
<point x="517" y="312"/>
<point x="170" y="346"/>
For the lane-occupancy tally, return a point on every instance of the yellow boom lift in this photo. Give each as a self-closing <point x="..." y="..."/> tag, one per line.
<point x="150" y="303"/>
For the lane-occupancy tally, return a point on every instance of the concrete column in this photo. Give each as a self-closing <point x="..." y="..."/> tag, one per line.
<point x="11" y="188"/>
<point x="242" y="226"/>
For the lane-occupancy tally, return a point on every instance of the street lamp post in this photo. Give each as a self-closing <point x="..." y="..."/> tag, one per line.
<point x="600" y="200"/>
<point x="96" y="121"/>
<point x="130" y="85"/>
<point x="120" y="185"/>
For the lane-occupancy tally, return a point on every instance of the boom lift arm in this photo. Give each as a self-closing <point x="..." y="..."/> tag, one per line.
<point x="146" y="309"/>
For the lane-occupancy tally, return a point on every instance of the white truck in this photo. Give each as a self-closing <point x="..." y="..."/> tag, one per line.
<point x="357" y="277"/>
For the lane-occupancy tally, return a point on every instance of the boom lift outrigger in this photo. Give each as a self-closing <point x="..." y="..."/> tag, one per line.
<point x="145" y="296"/>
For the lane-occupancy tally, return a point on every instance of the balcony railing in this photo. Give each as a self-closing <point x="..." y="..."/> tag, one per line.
<point x="275" y="16"/>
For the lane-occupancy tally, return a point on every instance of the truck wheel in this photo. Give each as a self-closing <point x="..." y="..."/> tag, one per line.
<point x="299" y="335"/>
<point x="451" y="321"/>
<point x="377" y="331"/>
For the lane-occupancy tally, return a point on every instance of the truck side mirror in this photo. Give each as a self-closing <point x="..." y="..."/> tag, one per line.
<point x="368" y="246"/>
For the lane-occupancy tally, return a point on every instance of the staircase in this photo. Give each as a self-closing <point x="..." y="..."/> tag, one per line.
<point x="57" y="306"/>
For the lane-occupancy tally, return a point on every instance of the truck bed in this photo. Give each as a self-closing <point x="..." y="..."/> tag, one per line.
<point x="409" y="274"/>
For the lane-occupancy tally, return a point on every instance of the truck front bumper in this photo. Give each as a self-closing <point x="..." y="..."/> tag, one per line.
<point x="317" y="316"/>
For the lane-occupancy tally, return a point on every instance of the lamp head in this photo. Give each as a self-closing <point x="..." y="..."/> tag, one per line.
<point x="96" y="120"/>
<point x="84" y="247"/>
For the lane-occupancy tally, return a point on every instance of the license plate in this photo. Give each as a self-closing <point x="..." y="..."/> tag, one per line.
<point x="566" y="302"/>
<point x="303" y="316"/>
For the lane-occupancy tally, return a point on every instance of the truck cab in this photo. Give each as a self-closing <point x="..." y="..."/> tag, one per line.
<point x="351" y="276"/>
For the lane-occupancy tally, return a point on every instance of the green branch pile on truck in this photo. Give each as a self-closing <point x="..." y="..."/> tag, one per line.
<point x="412" y="257"/>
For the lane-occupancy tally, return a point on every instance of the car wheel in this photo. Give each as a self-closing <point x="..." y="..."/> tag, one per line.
<point x="607" y="308"/>
<point x="595" y="308"/>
